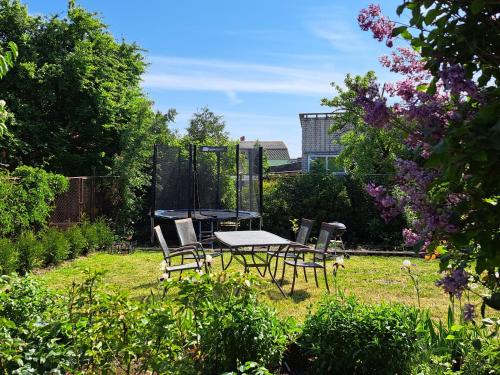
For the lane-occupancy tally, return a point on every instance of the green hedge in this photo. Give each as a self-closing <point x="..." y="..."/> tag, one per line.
<point x="327" y="197"/>
<point x="52" y="246"/>
<point x="348" y="337"/>
<point x="27" y="198"/>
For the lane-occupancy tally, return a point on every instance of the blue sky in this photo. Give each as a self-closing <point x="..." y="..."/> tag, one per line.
<point x="258" y="63"/>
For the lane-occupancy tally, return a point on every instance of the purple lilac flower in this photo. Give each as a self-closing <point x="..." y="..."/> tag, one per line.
<point x="469" y="312"/>
<point x="455" y="282"/>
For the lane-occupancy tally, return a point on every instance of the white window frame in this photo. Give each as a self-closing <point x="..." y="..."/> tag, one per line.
<point x="311" y="157"/>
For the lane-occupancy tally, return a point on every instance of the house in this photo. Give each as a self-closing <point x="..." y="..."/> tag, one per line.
<point x="275" y="151"/>
<point x="320" y="148"/>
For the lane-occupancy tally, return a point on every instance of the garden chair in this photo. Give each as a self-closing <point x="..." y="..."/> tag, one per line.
<point x="301" y="239"/>
<point x="187" y="237"/>
<point x="183" y="252"/>
<point x="319" y="256"/>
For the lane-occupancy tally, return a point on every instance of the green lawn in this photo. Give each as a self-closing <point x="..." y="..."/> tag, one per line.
<point x="372" y="279"/>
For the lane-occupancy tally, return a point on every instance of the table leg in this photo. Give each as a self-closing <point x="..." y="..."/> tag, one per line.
<point x="280" y="248"/>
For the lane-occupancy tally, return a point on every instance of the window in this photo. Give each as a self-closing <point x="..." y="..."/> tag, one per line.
<point x="328" y="163"/>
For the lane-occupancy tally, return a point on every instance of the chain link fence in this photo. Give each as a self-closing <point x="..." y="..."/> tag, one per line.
<point x="87" y="197"/>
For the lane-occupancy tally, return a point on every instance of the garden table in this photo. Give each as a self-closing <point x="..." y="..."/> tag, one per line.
<point x="252" y="243"/>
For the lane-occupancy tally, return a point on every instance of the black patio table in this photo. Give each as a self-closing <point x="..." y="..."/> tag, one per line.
<point x="252" y="243"/>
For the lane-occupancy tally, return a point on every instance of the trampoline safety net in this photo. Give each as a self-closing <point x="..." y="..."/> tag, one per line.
<point x="197" y="178"/>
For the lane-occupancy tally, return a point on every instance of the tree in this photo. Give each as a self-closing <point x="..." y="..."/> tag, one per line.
<point x="365" y="149"/>
<point x="451" y="123"/>
<point x="7" y="59"/>
<point x="206" y="126"/>
<point x="77" y="101"/>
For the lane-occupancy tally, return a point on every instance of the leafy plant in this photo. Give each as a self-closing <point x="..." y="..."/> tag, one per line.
<point x="346" y="336"/>
<point x="9" y="257"/>
<point x="31" y="252"/>
<point x="77" y="241"/>
<point x="56" y="247"/>
<point x="230" y="326"/>
<point x="105" y="235"/>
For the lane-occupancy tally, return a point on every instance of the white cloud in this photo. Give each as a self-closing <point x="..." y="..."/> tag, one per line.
<point x="174" y="73"/>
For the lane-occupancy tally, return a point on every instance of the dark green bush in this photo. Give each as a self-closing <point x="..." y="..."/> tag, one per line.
<point x="327" y="197"/>
<point x="77" y="241"/>
<point x="9" y="257"/>
<point x="91" y="235"/>
<point x="231" y="325"/>
<point x="27" y="200"/>
<point x="345" y="336"/>
<point x="56" y="247"/>
<point x="31" y="253"/>
<point x="105" y="235"/>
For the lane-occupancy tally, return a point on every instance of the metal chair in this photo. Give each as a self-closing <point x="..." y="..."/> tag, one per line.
<point x="301" y="239"/>
<point x="319" y="256"/>
<point x="183" y="252"/>
<point x="187" y="237"/>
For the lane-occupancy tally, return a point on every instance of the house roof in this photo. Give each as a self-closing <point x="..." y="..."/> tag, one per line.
<point x="275" y="150"/>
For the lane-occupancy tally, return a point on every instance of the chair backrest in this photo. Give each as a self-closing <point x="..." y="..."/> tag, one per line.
<point x="185" y="231"/>
<point x="324" y="237"/>
<point x="304" y="231"/>
<point x="162" y="242"/>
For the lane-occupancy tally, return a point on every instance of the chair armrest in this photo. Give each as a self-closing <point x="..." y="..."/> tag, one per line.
<point x="186" y="252"/>
<point x="185" y="247"/>
<point x="183" y="252"/>
<point x="196" y="246"/>
<point x="208" y="240"/>
<point x="309" y="250"/>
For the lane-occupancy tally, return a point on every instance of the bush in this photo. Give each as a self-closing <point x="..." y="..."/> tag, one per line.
<point x="27" y="200"/>
<point x="231" y="326"/>
<point x="345" y="336"/>
<point x="104" y="234"/>
<point x="77" y="241"/>
<point x="56" y="247"/>
<point x="8" y="257"/>
<point x="30" y="252"/>
<point x="327" y="197"/>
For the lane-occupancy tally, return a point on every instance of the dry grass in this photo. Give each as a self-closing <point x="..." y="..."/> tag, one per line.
<point x="372" y="279"/>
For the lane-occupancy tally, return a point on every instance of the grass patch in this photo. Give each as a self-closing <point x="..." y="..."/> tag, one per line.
<point x="372" y="279"/>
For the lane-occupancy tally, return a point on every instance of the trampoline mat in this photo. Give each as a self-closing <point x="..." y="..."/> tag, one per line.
<point x="206" y="214"/>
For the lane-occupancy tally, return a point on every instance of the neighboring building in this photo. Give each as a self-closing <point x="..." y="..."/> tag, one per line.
<point x="276" y="151"/>
<point x="319" y="146"/>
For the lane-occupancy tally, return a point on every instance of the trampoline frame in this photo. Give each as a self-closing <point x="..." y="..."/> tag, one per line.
<point x="192" y="191"/>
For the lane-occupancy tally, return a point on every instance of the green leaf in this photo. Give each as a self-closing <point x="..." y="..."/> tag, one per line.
<point x="432" y="87"/>
<point x="422" y="87"/>
<point x="400" y="9"/>
<point x="431" y="15"/>
<point x="480" y="155"/>
<point x="492" y="201"/>
<point x="406" y="35"/>
<point x="398" y="30"/>
<point x="477" y="6"/>
<point x="493" y="301"/>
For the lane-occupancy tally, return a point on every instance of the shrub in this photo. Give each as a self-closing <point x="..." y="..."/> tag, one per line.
<point x="8" y="257"/>
<point x="30" y="252"/>
<point x="345" y="336"/>
<point x="77" y="241"/>
<point x="105" y="235"/>
<point x="232" y="328"/>
<point x="55" y="246"/>
<point x="89" y="231"/>
<point x="27" y="200"/>
<point x="327" y="197"/>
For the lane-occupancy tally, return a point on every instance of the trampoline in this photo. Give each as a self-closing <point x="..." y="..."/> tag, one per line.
<point x="213" y="185"/>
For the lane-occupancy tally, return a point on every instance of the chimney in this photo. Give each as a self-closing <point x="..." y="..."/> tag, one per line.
<point x="242" y="138"/>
